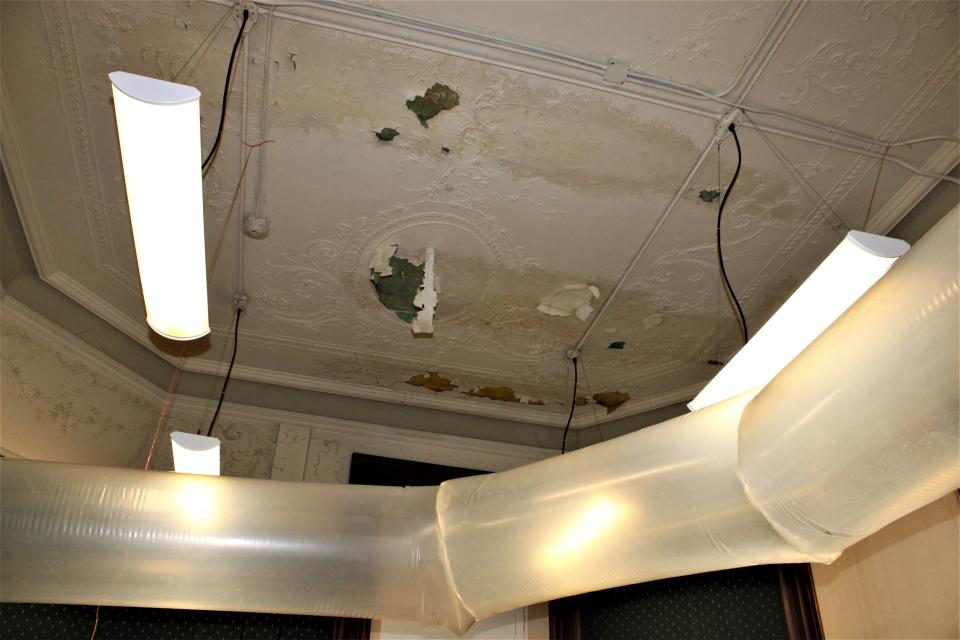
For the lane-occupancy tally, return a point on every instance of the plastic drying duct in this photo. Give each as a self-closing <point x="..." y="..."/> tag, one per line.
<point x="858" y="430"/>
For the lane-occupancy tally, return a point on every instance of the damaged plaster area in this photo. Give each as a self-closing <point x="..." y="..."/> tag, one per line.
<point x="503" y="394"/>
<point x="437" y="98"/>
<point x="528" y="154"/>
<point x="432" y="380"/>
<point x="426" y="299"/>
<point x="576" y="299"/>
<point x="406" y="288"/>
<point x="709" y="195"/>
<point x="611" y="400"/>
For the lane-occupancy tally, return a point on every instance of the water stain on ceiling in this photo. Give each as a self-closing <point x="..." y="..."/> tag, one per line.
<point x="522" y="183"/>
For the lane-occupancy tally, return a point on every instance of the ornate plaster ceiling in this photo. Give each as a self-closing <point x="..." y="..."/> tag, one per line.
<point x="539" y="178"/>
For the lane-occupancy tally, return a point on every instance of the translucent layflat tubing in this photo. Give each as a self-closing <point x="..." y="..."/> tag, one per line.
<point x="659" y="502"/>
<point x="862" y="428"/>
<point x="858" y="430"/>
<point x="79" y="535"/>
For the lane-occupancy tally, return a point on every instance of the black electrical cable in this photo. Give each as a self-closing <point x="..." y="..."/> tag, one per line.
<point x="226" y="380"/>
<point x="226" y="91"/>
<point x="723" y="271"/>
<point x="573" y="404"/>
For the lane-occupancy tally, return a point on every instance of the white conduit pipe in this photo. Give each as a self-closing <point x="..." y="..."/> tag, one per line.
<point x="858" y="430"/>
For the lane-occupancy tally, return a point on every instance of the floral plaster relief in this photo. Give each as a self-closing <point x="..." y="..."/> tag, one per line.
<point x="60" y="404"/>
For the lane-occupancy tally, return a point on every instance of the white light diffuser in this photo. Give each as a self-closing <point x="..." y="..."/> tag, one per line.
<point x="158" y="124"/>
<point x="848" y="272"/>
<point x="195" y="454"/>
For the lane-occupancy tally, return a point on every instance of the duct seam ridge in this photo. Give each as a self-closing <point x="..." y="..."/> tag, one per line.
<point x="445" y="560"/>
<point x="785" y="534"/>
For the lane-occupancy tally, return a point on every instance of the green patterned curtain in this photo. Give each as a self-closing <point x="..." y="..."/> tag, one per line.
<point x="75" y="622"/>
<point x="739" y="604"/>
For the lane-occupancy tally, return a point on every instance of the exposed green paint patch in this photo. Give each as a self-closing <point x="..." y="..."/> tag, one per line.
<point x="386" y="134"/>
<point x="397" y="291"/>
<point x="437" y="98"/>
<point x="709" y="195"/>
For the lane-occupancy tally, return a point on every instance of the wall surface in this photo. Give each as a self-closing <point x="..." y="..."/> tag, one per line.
<point x="901" y="582"/>
<point x="60" y="400"/>
<point x="63" y="401"/>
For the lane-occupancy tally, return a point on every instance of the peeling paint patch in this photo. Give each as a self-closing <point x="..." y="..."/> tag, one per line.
<point x="611" y="399"/>
<point x="573" y="298"/>
<point x="380" y="262"/>
<point x="437" y="98"/>
<point x="709" y="195"/>
<point x="397" y="283"/>
<point x="425" y="300"/>
<point x="619" y="344"/>
<point x="432" y="380"/>
<point x="386" y="134"/>
<point x="503" y="394"/>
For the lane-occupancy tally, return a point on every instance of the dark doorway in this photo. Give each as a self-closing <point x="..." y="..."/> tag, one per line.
<point x="391" y="472"/>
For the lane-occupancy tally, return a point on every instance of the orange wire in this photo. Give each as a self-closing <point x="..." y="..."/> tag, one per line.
<point x="233" y="202"/>
<point x="178" y="367"/>
<point x="96" y="622"/>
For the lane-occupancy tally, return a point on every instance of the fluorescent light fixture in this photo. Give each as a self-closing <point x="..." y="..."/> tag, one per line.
<point x="158" y="124"/>
<point x="848" y="272"/>
<point x="195" y="454"/>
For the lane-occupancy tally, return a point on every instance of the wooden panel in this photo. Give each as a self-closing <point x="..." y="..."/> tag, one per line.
<point x="901" y="582"/>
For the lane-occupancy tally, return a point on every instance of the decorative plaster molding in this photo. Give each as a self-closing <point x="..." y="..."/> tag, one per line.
<point x="513" y="411"/>
<point x="908" y="195"/>
<point x="915" y="190"/>
<point x="366" y="437"/>
<point x="17" y="312"/>
<point x="17" y="169"/>
<point x="62" y="46"/>
<point x="138" y="331"/>
<point x="431" y="447"/>
<point x="60" y="37"/>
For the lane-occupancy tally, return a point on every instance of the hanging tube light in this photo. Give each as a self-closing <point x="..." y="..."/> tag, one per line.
<point x="193" y="453"/>
<point x="158" y="124"/>
<point x="848" y="272"/>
